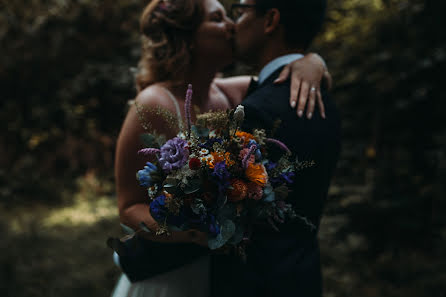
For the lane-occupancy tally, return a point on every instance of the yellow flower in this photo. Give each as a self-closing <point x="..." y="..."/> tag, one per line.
<point x="257" y="174"/>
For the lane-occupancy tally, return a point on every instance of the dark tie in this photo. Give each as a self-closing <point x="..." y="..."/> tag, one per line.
<point x="252" y="86"/>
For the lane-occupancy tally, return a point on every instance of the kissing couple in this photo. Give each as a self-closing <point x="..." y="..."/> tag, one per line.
<point x="190" y="42"/>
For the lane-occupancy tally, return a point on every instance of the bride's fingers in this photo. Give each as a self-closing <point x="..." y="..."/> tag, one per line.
<point x="303" y="96"/>
<point x="295" y="86"/>
<point x="320" y="103"/>
<point x="284" y="74"/>
<point x="311" y="102"/>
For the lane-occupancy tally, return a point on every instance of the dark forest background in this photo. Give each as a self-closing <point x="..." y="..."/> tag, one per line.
<point x="65" y="79"/>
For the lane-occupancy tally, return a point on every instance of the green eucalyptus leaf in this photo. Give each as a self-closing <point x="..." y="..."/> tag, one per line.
<point x="172" y="190"/>
<point x="216" y="242"/>
<point x="192" y="186"/>
<point x="201" y="132"/>
<point x="144" y="227"/>
<point x="227" y="229"/>
<point x="238" y="235"/>
<point x="149" y="140"/>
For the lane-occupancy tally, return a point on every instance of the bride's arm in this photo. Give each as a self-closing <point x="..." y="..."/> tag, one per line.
<point x="234" y="88"/>
<point x="305" y="73"/>
<point x="133" y="202"/>
<point x="308" y="75"/>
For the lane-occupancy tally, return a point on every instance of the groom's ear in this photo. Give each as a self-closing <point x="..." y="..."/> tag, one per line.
<point x="272" y="20"/>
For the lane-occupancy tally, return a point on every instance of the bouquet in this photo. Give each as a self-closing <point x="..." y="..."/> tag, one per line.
<point x="216" y="178"/>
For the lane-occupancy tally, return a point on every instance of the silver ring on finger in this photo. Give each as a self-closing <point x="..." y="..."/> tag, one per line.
<point x="313" y="89"/>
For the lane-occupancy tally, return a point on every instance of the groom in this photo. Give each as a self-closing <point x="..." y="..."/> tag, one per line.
<point x="269" y="33"/>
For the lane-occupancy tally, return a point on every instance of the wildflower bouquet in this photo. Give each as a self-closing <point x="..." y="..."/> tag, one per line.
<point x="215" y="178"/>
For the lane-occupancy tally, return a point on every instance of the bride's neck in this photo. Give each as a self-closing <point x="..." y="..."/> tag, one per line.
<point x="200" y="75"/>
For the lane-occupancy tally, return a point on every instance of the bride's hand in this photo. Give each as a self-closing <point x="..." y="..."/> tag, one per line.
<point x="198" y="237"/>
<point x="192" y="235"/>
<point x="306" y="77"/>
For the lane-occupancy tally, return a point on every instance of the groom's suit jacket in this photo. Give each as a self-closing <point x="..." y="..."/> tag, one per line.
<point x="286" y="263"/>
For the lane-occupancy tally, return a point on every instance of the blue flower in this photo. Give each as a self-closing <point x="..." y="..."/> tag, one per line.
<point x="214" y="227"/>
<point x="210" y="143"/>
<point x="144" y="175"/>
<point x="158" y="208"/>
<point x="252" y="142"/>
<point x="258" y="155"/>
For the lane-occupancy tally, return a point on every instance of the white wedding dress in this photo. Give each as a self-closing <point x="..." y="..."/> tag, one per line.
<point x="191" y="280"/>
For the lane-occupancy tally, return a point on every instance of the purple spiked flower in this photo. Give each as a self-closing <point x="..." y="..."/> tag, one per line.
<point x="278" y="143"/>
<point x="248" y="155"/>
<point x="187" y="107"/>
<point x="149" y="151"/>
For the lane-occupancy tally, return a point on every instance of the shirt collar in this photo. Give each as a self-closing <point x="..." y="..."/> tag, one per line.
<point x="276" y="64"/>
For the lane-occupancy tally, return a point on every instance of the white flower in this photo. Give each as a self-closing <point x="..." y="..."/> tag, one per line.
<point x="212" y="134"/>
<point x="182" y="175"/>
<point x="239" y="114"/>
<point x="204" y="152"/>
<point x="153" y="190"/>
<point x="207" y="158"/>
<point x="181" y="135"/>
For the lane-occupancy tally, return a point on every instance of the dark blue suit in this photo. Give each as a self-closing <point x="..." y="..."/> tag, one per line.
<point x="285" y="263"/>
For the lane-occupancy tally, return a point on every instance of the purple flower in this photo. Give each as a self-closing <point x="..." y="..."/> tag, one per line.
<point x="222" y="175"/>
<point x="246" y="158"/>
<point x="288" y="177"/>
<point x="220" y="171"/>
<point x="187" y="106"/>
<point x="149" y="151"/>
<point x="279" y="144"/>
<point x="270" y="165"/>
<point x="174" y="154"/>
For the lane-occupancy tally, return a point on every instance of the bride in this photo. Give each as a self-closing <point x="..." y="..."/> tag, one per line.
<point x="184" y="42"/>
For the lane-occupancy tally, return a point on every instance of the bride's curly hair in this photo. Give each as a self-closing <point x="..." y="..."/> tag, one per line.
<point x="168" y="28"/>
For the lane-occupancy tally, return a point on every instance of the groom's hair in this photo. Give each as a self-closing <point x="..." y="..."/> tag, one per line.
<point x="301" y="19"/>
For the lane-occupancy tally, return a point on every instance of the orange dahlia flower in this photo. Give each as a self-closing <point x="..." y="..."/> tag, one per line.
<point x="257" y="174"/>
<point x="239" y="191"/>
<point x="245" y="137"/>
<point x="220" y="157"/>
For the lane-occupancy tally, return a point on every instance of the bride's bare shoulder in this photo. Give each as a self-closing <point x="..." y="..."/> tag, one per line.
<point x="152" y="96"/>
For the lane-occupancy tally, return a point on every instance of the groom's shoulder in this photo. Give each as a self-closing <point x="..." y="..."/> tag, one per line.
<point x="269" y="94"/>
